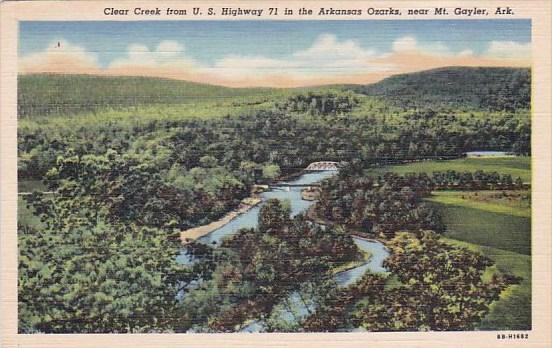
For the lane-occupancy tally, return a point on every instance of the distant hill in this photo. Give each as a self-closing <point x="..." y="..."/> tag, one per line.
<point x="473" y="88"/>
<point x="488" y="88"/>
<point x="56" y="94"/>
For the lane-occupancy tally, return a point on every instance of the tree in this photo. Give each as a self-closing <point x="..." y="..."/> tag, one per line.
<point x="90" y="268"/>
<point x="271" y="171"/>
<point x="103" y="278"/>
<point x="442" y="287"/>
<point x="208" y="161"/>
<point x="518" y="183"/>
<point x="273" y="216"/>
<point x="381" y="206"/>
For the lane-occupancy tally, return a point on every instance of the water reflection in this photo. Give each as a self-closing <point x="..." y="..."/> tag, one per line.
<point x="249" y="218"/>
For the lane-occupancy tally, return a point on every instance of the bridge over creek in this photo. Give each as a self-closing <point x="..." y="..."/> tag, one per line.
<point x="324" y="165"/>
<point x="313" y="167"/>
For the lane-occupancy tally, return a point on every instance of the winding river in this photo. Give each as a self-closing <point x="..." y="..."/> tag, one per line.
<point x="249" y="218"/>
<point x="292" y="194"/>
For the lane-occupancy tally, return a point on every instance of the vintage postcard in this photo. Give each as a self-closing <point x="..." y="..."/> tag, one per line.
<point x="276" y="173"/>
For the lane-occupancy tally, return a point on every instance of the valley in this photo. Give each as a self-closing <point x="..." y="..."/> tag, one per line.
<point x="153" y="198"/>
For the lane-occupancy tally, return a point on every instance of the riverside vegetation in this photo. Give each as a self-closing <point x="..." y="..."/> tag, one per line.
<point x="111" y="170"/>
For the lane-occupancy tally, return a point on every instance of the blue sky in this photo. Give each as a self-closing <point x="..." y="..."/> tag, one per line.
<point x="274" y="47"/>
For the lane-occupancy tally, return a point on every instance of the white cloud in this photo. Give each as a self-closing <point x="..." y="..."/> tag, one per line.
<point x="326" y="56"/>
<point x="57" y="55"/>
<point x="405" y="44"/>
<point x="327" y="47"/>
<point x="465" y="53"/>
<point x="168" y="52"/>
<point x="170" y="48"/>
<point x="509" y="50"/>
<point x="410" y="45"/>
<point x="496" y="49"/>
<point x="337" y="57"/>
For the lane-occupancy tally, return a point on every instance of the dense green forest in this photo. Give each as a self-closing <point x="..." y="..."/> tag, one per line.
<point x="111" y="169"/>
<point x="499" y="89"/>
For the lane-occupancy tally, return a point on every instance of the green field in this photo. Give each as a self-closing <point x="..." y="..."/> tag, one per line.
<point x="25" y="215"/>
<point x="515" y="203"/>
<point x="515" y="166"/>
<point x="479" y="226"/>
<point x="30" y="186"/>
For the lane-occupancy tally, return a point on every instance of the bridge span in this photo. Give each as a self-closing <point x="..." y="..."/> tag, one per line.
<point x="278" y="184"/>
<point x="324" y="165"/>
<point x="313" y="167"/>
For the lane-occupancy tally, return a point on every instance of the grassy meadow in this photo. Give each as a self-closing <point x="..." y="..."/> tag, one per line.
<point x="483" y="226"/>
<point x="515" y="203"/>
<point x="515" y="166"/>
<point x="25" y="215"/>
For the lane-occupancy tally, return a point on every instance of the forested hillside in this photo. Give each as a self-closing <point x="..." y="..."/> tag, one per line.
<point x="497" y="89"/>
<point x="55" y="94"/>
